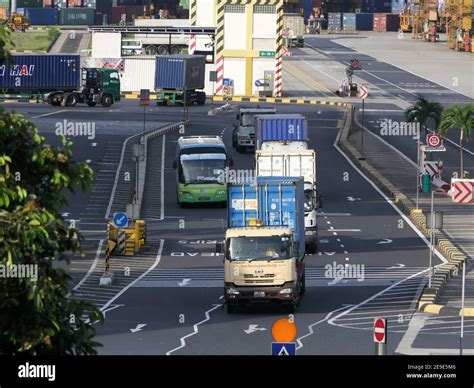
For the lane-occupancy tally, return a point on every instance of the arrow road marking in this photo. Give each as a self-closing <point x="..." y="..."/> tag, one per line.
<point x="336" y="281"/>
<point x="139" y="327"/>
<point x="253" y="329"/>
<point x="396" y="266"/>
<point x="352" y="199"/>
<point x="65" y="214"/>
<point x="330" y="253"/>
<point x="385" y="241"/>
<point x="184" y="282"/>
<point x="94" y="144"/>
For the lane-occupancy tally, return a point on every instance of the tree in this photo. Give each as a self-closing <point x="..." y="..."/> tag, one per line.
<point x="461" y="117"/>
<point x="6" y="44"/>
<point x="36" y="314"/>
<point x="422" y="111"/>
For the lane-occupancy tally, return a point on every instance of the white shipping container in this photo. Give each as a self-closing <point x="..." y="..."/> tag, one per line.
<point x="287" y="163"/>
<point x="295" y="25"/>
<point x="139" y="73"/>
<point x="106" y="45"/>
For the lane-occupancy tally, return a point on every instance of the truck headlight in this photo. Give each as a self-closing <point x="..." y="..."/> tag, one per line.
<point x="233" y="291"/>
<point x="286" y="291"/>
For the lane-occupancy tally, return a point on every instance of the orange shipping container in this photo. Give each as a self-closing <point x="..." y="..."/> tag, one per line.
<point x="3" y="13"/>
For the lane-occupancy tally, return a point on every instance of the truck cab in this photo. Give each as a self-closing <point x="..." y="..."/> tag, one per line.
<point x="243" y="135"/>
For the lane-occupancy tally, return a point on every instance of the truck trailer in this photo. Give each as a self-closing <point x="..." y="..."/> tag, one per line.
<point x="243" y="135"/>
<point x="293" y="24"/>
<point x="264" y="243"/>
<point x="58" y="80"/>
<point x="280" y="128"/>
<point x="179" y="79"/>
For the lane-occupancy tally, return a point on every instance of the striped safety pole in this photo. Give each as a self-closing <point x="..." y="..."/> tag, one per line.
<point x="192" y="22"/>
<point x="279" y="50"/>
<point x="220" y="46"/>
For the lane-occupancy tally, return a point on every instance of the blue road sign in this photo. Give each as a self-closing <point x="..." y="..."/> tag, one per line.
<point x="258" y="83"/>
<point x="228" y="82"/>
<point x="283" y="349"/>
<point x="120" y="220"/>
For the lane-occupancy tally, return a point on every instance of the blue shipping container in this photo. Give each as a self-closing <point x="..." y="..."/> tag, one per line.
<point x="364" y="21"/>
<point x="180" y="72"/>
<point x="349" y="21"/>
<point x="42" y="16"/>
<point x="397" y="6"/>
<point x="41" y="73"/>
<point x="280" y="127"/>
<point x="275" y="201"/>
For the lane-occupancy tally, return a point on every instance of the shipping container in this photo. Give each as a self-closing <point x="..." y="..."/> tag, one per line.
<point x="180" y="72"/>
<point x="349" y="21"/>
<point x="4" y="12"/>
<point x="131" y="12"/>
<point x="397" y="6"/>
<point x="364" y="21"/>
<point x="376" y="6"/>
<point x="41" y="72"/>
<point x="386" y="22"/>
<point x="29" y="3"/>
<point x="42" y="16"/>
<point x="280" y="127"/>
<point x="275" y="201"/>
<point x="334" y="21"/>
<point x="90" y="4"/>
<point x="139" y="73"/>
<point x="21" y="11"/>
<point x="4" y="3"/>
<point x="133" y="2"/>
<point x="76" y="16"/>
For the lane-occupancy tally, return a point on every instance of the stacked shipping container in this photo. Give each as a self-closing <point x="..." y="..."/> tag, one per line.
<point x="4" y="9"/>
<point x="364" y="21"/>
<point x="349" y="21"/>
<point x="334" y="21"/>
<point x="386" y="22"/>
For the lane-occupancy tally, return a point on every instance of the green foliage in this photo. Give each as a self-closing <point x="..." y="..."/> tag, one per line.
<point x="6" y="44"/>
<point x="38" y="317"/>
<point x="457" y="116"/>
<point x="424" y="110"/>
<point x="53" y="33"/>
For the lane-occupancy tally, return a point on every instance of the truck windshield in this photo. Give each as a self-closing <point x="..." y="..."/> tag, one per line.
<point x="248" y="120"/>
<point x="202" y="170"/>
<point x="308" y="201"/>
<point x="259" y="248"/>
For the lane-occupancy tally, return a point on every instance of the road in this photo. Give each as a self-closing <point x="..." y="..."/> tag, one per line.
<point x="170" y="302"/>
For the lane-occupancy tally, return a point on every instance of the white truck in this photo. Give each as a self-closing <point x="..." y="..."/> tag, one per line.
<point x="294" y="29"/>
<point x="294" y="159"/>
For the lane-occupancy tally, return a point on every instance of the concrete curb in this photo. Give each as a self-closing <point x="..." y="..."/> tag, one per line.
<point x="439" y="309"/>
<point x="142" y="163"/>
<point x="443" y="243"/>
<point x="280" y="100"/>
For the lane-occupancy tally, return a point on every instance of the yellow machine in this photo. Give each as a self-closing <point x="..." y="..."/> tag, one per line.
<point x="458" y="22"/>
<point x="18" y="22"/>
<point x="406" y="19"/>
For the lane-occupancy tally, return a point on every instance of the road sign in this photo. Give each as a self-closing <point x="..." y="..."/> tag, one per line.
<point x="425" y="148"/>
<point x="380" y="330"/>
<point x="120" y="220"/>
<point x="266" y="53"/>
<point x="462" y="190"/>
<point x="145" y="97"/>
<point x="283" y="349"/>
<point x="228" y="90"/>
<point x="363" y="92"/>
<point x="355" y="64"/>
<point x="228" y="82"/>
<point x="434" y="140"/>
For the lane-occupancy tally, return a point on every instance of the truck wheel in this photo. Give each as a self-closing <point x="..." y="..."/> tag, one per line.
<point x="234" y="142"/>
<point x="91" y="103"/>
<point x="151" y="50"/>
<point x="175" y="50"/>
<point x="303" y="284"/>
<point x="239" y="149"/>
<point x="311" y="247"/>
<point x="232" y="308"/>
<point x="71" y="100"/>
<point x="163" y="50"/>
<point x="201" y="98"/>
<point x="107" y="101"/>
<point x="291" y="308"/>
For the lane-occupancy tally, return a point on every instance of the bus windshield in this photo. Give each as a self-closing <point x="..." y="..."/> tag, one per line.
<point x="259" y="248"/>
<point x="202" y="168"/>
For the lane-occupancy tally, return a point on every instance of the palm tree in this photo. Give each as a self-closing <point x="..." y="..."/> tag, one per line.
<point x="462" y="117"/>
<point x="424" y="110"/>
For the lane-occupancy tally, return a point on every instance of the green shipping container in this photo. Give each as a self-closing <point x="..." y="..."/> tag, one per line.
<point x="29" y="3"/>
<point x="4" y="3"/>
<point x="76" y="17"/>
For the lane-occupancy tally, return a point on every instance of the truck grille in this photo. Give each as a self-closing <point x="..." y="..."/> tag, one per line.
<point x="257" y="281"/>
<point x="266" y="276"/>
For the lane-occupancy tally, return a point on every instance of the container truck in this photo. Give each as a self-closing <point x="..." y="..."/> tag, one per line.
<point x="243" y="135"/>
<point x="264" y="243"/>
<point x="281" y="128"/>
<point x="153" y="44"/>
<point x="294" y="27"/>
<point x="58" y="80"/>
<point x="286" y="160"/>
<point x="179" y="78"/>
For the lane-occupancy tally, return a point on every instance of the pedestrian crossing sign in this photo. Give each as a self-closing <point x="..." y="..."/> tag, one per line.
<point x="283" y="349"/>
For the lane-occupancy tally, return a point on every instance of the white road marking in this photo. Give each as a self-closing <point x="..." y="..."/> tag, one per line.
<point x="92" y="268"/>
<point x="388" y="200"/>
<point x="139" y="327"/>
<point x="310" y="327"/>
<point x="195" y="329"/>
<point x="162" y="199"/>
<point x="49" y="114"/>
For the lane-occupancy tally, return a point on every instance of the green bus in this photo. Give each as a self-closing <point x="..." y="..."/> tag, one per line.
<point x="200" y="170"/>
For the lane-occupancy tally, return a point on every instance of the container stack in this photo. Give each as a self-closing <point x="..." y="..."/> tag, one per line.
<point x="364" y="22"/>
<point x="4" y="9"/>
<point x="384" y="22"/>
<point x="334" y="22"/>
